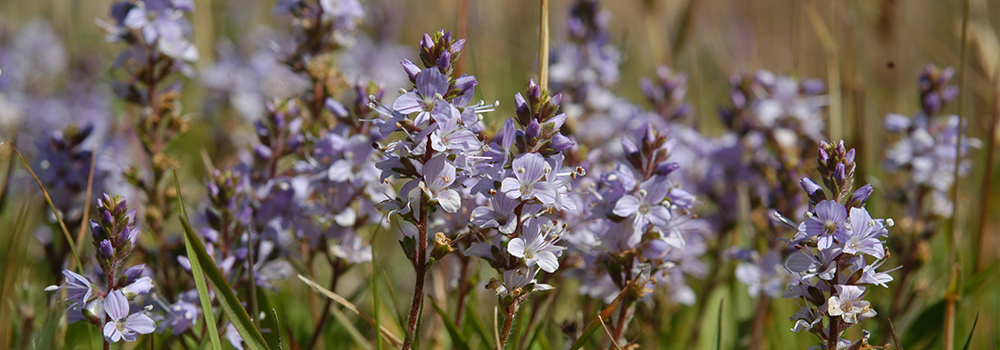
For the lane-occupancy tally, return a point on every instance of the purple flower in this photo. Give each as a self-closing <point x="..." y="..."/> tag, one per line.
<point x="78" y="288"/>
<point x="863" y="235"/>
<point x="438" y="176"/>
<point x="431" y="87"/>
<point x="121" y="325"/>
<point x="537" y="245"/>
<point x="647" y="204"/>
<point x="497" y="213"/>
<point x="452" y="137"/>
<point x="356" y="166"/>
<point x="527" y="184"/>
<point x="849" y="305"/>
<point x="829" y="219"/>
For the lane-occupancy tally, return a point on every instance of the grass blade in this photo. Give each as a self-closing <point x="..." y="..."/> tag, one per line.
<point x="607" y="312"/>
<point x="199" y="278"/>
<point x="62" y="225"/>
<point x="457" y="340"/>
<point x="718" y="327"/>
<point x="968" y="341"/>
<point x="392" y="338"/>
<point x="227" y="299"/>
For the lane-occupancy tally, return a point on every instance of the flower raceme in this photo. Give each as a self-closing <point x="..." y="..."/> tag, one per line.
<point x="838" y="249"/>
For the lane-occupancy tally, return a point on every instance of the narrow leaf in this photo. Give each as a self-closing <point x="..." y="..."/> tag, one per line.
<point x="199" y="278"/>
<point x="62" y="225"/>
<point x="968" y="341"/>
<point x="224" y="293"/>
<point x="457" y="340"/>
<point x="392" y="338"/>
<point x="718" y="327"/>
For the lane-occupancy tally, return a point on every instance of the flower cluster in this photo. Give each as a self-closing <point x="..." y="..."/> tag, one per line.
<point x="319" y="26"/>
<point x="838" y="249"/>
<point x="106" y="304"/>
<point x="925" y="152"/>
<point x="156" y="26"/>
<point x="524" y="180"/>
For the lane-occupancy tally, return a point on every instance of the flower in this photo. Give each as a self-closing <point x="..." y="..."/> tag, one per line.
<point x="78" y="288"/>
<point x="647" y="204"/>
<point x="527" y="184"/>
<point x="431" y="87"/>
<point x="438" y="176"/>
<point x="537" y="245"/>
<point x="863" y="235"/>
<point x="849" y="305"/>
<point x="828" y="220"/>
<point x="121" y="325"/>
<point x="497" y="213"/>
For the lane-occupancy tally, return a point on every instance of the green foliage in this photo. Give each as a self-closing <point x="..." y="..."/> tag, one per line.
<point x="200" y="260"/>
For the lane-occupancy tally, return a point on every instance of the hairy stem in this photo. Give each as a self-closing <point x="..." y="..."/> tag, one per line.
<point x="508" y="322"/>
<point x="420" y="267"/>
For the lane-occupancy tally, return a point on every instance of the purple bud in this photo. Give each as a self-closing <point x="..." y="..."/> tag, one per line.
<point x="262" y="152"/>
<point x="849" y="157"/>
<point x="336" y="107"/>
<point x="949" y="94"/>
<point x="840" y="174"/>
<point x="133" y="272"/>
<point x="458" y="45"/>
<point x="444" y="61"/>
<point x="426" y="43"/>
<point x="666" y="168"/>
<point x="897" y="122"/>
<point x="465" y="82"/>
<point x="823" y="156"/>
<point x="561" y="143"/>
<point x="556" y="100"/>
<point x="106" y="251"/>
<point x="932" y="104"/>
<point x="629" y="148"/>
<point x="411" y="69"/>
<point x="810" y="186"/>
<point x="861" y="195"/>
<point x="534" y="129"/>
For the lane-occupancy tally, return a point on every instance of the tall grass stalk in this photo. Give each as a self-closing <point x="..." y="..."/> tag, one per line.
<point x="953" y="294"/>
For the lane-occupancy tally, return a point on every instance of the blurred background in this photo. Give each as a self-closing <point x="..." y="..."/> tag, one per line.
<point x="869" y="53"/>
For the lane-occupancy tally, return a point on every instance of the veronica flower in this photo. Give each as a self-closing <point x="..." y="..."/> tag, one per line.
<point x="848" y="303"/>
<point x="121" y="325"/>
<point x="829" y="219"/>
<point x="646" y="204"/>
<point x="432" y="85"/>
<point x="450" y="136"/>
<point x="356" y="166"/>
<point x="78" y="288"/>
<point x="863" y="235"/>
<point x="527" y="184"/>
<point x="497" y="213"/>
<point x="537" y="245"/>
<point x="515" y="281"/>
<point x="438" y="176"/>
<point x="870" y="276"/>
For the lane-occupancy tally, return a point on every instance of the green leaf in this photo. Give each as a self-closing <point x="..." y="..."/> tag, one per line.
<point x="392" y="338"/>
<point x="224" y="293"/>
<point x="273" y="338"/>
<point x="927" y="326"/>
<point x="477" y="324"/>
<point x="199" y="277"/>
<point x="457" y="340"/>
<point x="62" y="225"/>
<point x="968" y="341"/>
<point x="718" y="327"/>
